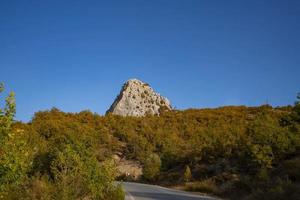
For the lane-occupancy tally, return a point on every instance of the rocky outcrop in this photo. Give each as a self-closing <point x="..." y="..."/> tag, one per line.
<point x="137" y="98"/>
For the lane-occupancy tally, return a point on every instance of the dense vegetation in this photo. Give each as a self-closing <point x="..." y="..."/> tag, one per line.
<point x="237" y="152"/>
<point x="53" y="159"/>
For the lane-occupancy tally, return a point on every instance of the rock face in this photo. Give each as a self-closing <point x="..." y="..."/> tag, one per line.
<point x="138" y="99"/>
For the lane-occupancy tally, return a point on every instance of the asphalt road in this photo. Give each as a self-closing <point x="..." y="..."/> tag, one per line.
<point x="137" y="191"/>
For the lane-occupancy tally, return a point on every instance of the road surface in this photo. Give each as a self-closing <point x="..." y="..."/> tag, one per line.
<point x="137" y="191"/>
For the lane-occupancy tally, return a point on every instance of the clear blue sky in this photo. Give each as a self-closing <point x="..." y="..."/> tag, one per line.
<point x="75" y="55"/>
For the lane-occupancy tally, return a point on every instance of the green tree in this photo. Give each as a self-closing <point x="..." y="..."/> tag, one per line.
<point x="7" y="114"/>
<point x="14" y="160"/>
<point x="187" y="175"/>
<point x="296" y="110"/>
<point x="78" y="175"/>
<point x="152" y="165"/>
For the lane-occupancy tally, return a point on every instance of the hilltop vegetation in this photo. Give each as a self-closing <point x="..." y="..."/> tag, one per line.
<point x="237" y="152"/>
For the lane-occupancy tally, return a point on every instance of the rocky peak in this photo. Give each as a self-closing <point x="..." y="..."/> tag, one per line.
<point x="137" y="98"/>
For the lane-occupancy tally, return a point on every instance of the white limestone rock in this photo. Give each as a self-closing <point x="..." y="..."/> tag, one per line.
<point x="138" y="99"/>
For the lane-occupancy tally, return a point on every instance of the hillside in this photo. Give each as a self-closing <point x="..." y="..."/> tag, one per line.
<point x="235" y="152"/>
<point x="231" y="151"/>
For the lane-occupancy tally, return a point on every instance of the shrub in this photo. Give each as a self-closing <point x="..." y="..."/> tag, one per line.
<point x="292" y="169"/>
<point x="118" y="194"/>
<point x="77" y="174"/>
<point x="206" y="186"/>
<point x="152" y="165"/>
<point x="187" y="175"/>
<point x="34" y="188"/>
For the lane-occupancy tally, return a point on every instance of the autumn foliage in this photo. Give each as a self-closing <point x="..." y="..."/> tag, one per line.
<point x="235" y="151"/>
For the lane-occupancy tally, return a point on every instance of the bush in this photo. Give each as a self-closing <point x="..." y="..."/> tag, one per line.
<point x="206" y="186"/>
<point x="292" y="169"/>
<point x="119" y="193"/>
<point x="152" y="165"/>
<point x="187" y="175"/>
<point x="77" y="174"/>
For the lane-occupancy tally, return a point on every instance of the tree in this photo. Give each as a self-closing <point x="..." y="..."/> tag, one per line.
<point x="296" y="110"/>
<point x="78" y="174"/>
<point x="7" y="114"/>
<point x="187" y="175"/>
<point x="152" y="165"/>
<point x="15" y="154"/>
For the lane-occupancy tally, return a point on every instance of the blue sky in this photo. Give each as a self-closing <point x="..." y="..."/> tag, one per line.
<point x="75" y="55"/>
